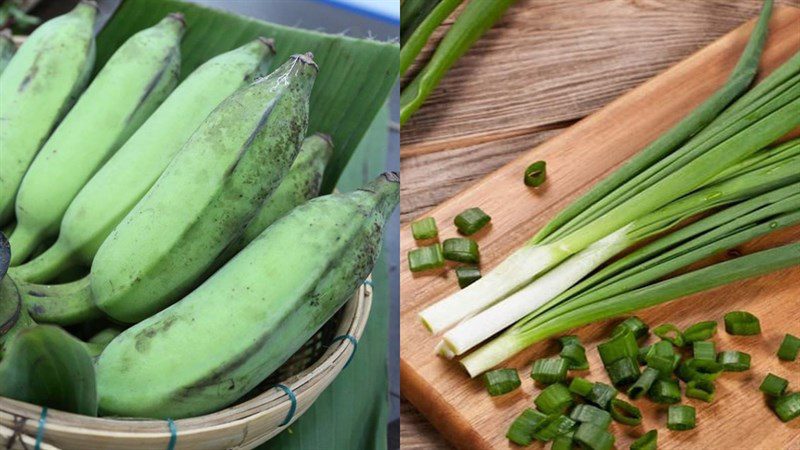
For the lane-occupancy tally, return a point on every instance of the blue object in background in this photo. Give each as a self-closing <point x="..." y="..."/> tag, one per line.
<point x="384" y="10"/>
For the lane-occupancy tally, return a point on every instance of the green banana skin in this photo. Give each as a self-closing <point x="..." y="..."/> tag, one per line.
<point x="301" y="184"/>
<point x="204" y="198"/>
<point x="100" y="341"/>
<point x="7" y="49"/>
<point x="116" y="188"/>
<point x="220" y="341"/>
<point x="61" y="304"/>
<point x="37" y="88"/>
<point x="132" y="84"/>
<point x="13" y="314"/>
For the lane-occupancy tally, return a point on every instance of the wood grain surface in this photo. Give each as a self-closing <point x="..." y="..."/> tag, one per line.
<point x="441" y="160"/>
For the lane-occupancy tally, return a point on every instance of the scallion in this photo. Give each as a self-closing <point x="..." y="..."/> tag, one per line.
<point x="665" y="391"/>
<point x="554" y="425"/>
<point x="699" y="369"/>
<point x="647" y="441"/>
<point x="704" y="350"/>
<point x="461" y="250"/>
<point x="788" y="406"/>
<point x="681" y="417"/>
<point x="623" y="371"/>
<point x="576" y="355"/>
<point x="701" y="389"/>
<point x="550" y="370"/>
<point x="660" y="357"/>
<point x="593" y="437"/>
<point x="700" y="331"/>
<point x="535" y="174"/>
<point x="584" y="413"/>
<point x="555" y="398"/>
<point x="467" y="275"/>
<point x="742" y="323"/>
<point x="773" y="385"/>
<point x="424" y="229"/>
<point x="643" y="383"/>
<point x="733" y="361"/>
<point x="471" y="221"/>
<point x="625" y="413"/>
<point x="501" y="381"/>
<point x="581" y="386"/>
<point x="789" y="348"/>
<point x="522" y="428"/>
<point x="635" y="325"/>
<point x="669" y="333"/>
<point x="562" y="442"/>
<point x="642" y="354"/>
<point x="425" y="258"/>
<point x="621" y="345"/>
<point x="601" y="395"/>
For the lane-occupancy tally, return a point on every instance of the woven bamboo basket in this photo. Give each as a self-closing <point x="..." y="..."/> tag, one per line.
<point x="267" y="411"/>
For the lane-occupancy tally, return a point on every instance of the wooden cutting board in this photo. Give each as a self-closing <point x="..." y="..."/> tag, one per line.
<point x="739" y="417"/>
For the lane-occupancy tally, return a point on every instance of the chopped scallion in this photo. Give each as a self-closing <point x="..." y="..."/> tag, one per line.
<point x="635" y="324"/>
<point x="522" y="428"/>
<point x="661" y="357"/>
<point x="581" y="386"/>
<point x="425" y="258"/>
<point x="471" y="221"/>
<point x="699" y="369"/>
<point x="647" y="441"/>
<point x="669" y="333"/>
<point x="467" y="275"/>
<point x="665" y="391"/>
<point x="562" y="442"/>
<point x="424" y="229"/>
<point x="641" y="356"/>
<point x="550" y="370"/>
<point x="584" y="413"/>
<point x="593" y="437"/>
<point x="773" y="385"/>
<point x="621" y="345"/>
<point x="789" y="348"/>
<point x="554" y="425"/>
<point x="704" y="350"/>
<point x="742" y="323"/>
<point x="644" y="383"/>
<point x="625" y="413"/>
<point x="623" y="371"/>
<point x="501" y="381"/>
<point x="700" y="331"/>
<point x="788" y="406"/>
<point x="555" y="398"/>
<point x="601" y="395"/>
<point x="573" y="352"/>
<point x="733" y="361"/>
<point x="536" y="174"/>
<point x="681" y="417"/>
<point x="461" y="250"/>
<point x="701" y="389"/>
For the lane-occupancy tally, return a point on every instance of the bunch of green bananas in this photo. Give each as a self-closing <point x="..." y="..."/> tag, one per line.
<point x="190" y="206"/>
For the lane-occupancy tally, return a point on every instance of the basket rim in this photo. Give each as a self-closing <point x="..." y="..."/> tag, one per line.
<point x="271" y="401"/>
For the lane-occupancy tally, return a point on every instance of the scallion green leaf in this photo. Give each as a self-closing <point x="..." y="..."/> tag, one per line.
<point x="643" y="383"/>
<point x="467" y="275"/>
<point x="623" y="371"/>
<point x="501" y="381"/>
<point x="742" y="323"/>
<point x="681" y="417"/>
<point x="573" y="351"/>
<point x="700" y="331"/>
<point x="701" y="389"/>
<point x="661" y="358"/>
<point x="461" y="250"/>
<point x="601" y="395"/>
<point x="424" y="229"/>
<point x="704" y="350"/>
<point x="584" y="413"/>
<point x="789" y="348"/>
<point x="621" y="345"/>
<point x="555" y="398"/>
<point x="522" y="428"/>
<point x="550" y="370"/>
<point x="773" y="385"/>
<point x="554" y="425"/>
<point x="699" y="369"/>
<point x="647" y="441"/>
<point x="593" y="437"/>
<point x="635" y="325"/>
<point x="669" y="333"/>
<point x="425" y="258"/>
<point x="665" y="391"/>
<point x="733" y="361"/>
<point x="471" y="221"/>
<point x="563" y="442"/>
<point x="581" y="386"/>
<point x="642" y="354"/>
<point x="535" y="174"/>
<point x="625" y="413"/>
<point x="788" y="406"/>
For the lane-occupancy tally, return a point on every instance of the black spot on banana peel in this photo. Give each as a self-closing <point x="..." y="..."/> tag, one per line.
<point x="216" y="350"/>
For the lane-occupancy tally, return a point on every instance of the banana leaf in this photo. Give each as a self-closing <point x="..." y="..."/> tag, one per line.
<point x="355" y="78"/>
<point x="352" y="412"/>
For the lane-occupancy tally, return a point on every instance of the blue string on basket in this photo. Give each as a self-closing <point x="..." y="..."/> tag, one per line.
<point x="292" y="408"/>
<point x="353" y="340"/>
<point x="173" y="434"/>
<point x="40" y="431"/>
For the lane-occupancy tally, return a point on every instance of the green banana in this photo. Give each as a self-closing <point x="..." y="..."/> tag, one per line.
<point x="61" y="304"/>
<point x="13" y="314"/>
<point x="227" y="336"/>
<point x="100" y="341"/>
<point x="46" y="366"/>
<point x="7" y="49"/>
<point x="301" y="184"/>
<point x="116" y="188"/>
<point x="131" y="85"/>
<point x="204" y="198"/>
<point x="37" y="88"/>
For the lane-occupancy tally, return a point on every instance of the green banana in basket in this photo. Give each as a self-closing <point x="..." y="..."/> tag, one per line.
<point x="116" y="188"/>
<point x="7" y="49"/>
<point x="36" y="88"/>
<point x="205" y="197"/>
<point x="131" y="85"/>
<point x="229" y="334"/>
<point x="301" y="184"/>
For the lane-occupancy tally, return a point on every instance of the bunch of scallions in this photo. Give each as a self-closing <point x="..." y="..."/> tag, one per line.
<point x="721" y="163"/>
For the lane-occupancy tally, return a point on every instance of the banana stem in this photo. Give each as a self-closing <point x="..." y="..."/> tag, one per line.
<point x="46" y="266"/>
<point x="23" y="242"/>
<point x="61" y="304"/>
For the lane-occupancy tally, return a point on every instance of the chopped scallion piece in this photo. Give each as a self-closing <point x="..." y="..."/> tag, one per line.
<point x="554" y="425"/>
<point x="602" y="394"/>
<point x="425" y="258"/>
<point x="555" y="398"/>
<point x="641" y="357"/>
<point x="536" y="174"/>
<point x="790" y="347"/>
<point x="701" y="389"/>
<point x="635" y="324"/>
<point x="569" y="339"/>
<point x="625" y="413"/>
<point x="550" y="370"/>
<point x="704" y="350"/>
<point x="501" y="381"/>
<point x="471" y="220"/>
<point x="700" y="331"/>
<point x="562" y="442"/>
<point x="681" y="417"/>
<point x="621" y="345"/>
<point x="581" y="386"/>
<point x="665" y="391"/>
<point x="742" y="323"/>
<point x="788" y="406"/>
<point x="584" y="413"/>
<point x="593" y="437"/>
<point x="522" y="428"/>
<point x="644" y="383"/>
<point x="461" y="250"/>
<point x="647" y="441"/>
<point x="623" y="371"/>
<point x="773" y="385"/>
<point x="424" y="229"/>
<point x="661" y="357"/>
<point x="669" y="333"/>
<point x="699" y="369"/>
<point x="467" y="275"/>
<point x="576" y="356"/>
<point x="733" y="361"/>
